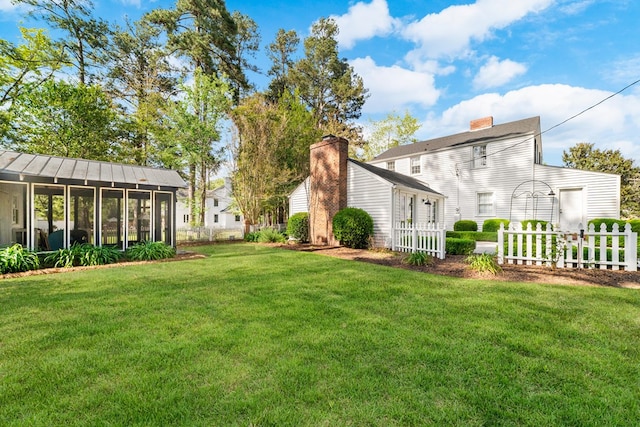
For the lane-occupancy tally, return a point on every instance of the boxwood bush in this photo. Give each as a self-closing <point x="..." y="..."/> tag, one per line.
<point x="474" y="235"/>
<point x="493" y="224"/>
<point x="353" y="227"/>
<point x="455" y="246"/>
<point x="465" y="225"/>
<point x="534" y="223"/>
<point x="609" y="223"/>
<point x="635" y="225"/>
<point x="298" y="226"/>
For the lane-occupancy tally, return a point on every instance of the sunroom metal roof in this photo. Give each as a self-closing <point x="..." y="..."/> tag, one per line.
<point x="63" y="168"/>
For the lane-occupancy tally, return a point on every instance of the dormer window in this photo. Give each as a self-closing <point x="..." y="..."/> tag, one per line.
<point x="479" y="156"/>
<point x="391" y="166"/>
<point x="415" y="166"/>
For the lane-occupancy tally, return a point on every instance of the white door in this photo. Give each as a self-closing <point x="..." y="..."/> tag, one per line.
<point x="571" y="209"/>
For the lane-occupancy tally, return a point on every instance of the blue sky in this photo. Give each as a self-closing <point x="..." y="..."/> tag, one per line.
<point x="448" y="62"/>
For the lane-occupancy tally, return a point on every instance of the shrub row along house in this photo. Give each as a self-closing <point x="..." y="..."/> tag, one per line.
<point x="489" y="171"/>
<point x="48" y="202"/>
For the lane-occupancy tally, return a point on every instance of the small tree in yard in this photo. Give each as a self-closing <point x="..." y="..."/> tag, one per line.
<point x="353" y="227"/>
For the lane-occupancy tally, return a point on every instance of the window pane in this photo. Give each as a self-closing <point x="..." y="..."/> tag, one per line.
<point x="13" y="227"/>
<point x="112" y="215"/>
<point x="485" y="203"/>
<point x="81" y="215"/>
<point x="50" y="217"/>
<point x="138" y="216"/>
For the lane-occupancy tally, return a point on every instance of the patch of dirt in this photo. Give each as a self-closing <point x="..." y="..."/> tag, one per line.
<point x="455" y="266"/>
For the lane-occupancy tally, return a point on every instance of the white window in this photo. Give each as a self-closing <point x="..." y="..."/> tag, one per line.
<point x="479" y="156"/>
<point x="415" y="165"/>
<point x="215" y="202"/>
<point x="391" y="166"/>
<point x="485" y="204"/>
<point x="237" y="218"/>
<point x="215" y="218"/>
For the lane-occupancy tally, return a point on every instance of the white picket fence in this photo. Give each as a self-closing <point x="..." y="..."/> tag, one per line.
<point x="589" y="248"/>
<point x="428" y="237"/>
<point x="207" y="234"/>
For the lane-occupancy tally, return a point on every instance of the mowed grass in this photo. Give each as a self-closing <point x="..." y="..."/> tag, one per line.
<point x="257" y="336"/>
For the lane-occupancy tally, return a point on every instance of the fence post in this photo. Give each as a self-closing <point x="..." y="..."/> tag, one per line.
<point x="630" y="249"/>
<point x="501" y="243"/>
<point x="414" y="238"/>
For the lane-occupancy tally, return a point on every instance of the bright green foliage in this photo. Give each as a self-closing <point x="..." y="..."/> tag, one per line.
<point x="418" y="259"/>
<point x="478" y="236"/>
<point x="83" y="255"/>
<point x="62" y="119"/>
<point x="465" y="225"/>
<point x="148" y="251"/>
<point x="609" y="223"/>
<point x="270" y="235"/>
<point x="298" y="226"/>
<point x="534" y="223"/>
<point x="493" y="224"/>
<point x="252" y="237"/>
<point x="353" y="227"/>
<point x="635" y="225"/>
<point x="484" y="263"/>
<point x="455" y="246"/>
<point x="584" y="156"/>
<point x="390" y="132"/>
<point x="15" y="259"/>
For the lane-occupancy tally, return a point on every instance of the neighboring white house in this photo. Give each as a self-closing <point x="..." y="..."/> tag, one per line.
<point x="220" y="211"/>
<point x="389" y="197"/>
<point x="497" y="172"/>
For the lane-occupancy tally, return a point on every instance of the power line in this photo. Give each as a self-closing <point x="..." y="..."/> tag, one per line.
<point x="559" y="124"/>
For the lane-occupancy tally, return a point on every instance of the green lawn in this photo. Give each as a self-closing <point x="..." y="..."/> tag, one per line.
<point x="256" y="336"/>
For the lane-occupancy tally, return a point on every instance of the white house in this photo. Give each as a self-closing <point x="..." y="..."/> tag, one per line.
<point x="220" y="211"/>
<point x="497" y="172"/>
<point x="337" y="182"/>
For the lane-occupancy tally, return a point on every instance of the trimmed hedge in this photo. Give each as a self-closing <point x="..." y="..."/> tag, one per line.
<point x="455" y="246"/>
<point x="465" y="225"/>
<point x="353" y="227"/>
<point x="474" y="235"/>
<point x="493" y="224"/>
<point x="298" y="226"/>
<point x="635" y="225"/>
<point x="609" y="223"/>
<point x="534" y="223"/>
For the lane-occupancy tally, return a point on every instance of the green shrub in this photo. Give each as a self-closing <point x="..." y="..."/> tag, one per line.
<point x="608" y="222"/>
<point x="635" y="225"/>
<point x="270" y="235"/>
<point x="474" y="235"/>
<point x="353" y="227"/>
<point x="298" y="226"/>
<point x="465" y="225"/>
<point x="15" y="259"/>
<point x="493" y="224"/>
<point x="418" y="258"/>
<point x="534" y="223"/>
<point x="455" y="246"/>
<point x="252" y="236"/>
<point x="484" y="263"/>
<point x="148" y="251"/>
<point x="84" y="254"/>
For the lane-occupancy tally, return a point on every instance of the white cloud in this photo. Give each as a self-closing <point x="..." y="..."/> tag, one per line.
<point x="611" y="124"/>
<point x="394" y="88"/>
<point x="495" y="73"/>
<point x="364" y="21"/>
<point x="450" y="32"/>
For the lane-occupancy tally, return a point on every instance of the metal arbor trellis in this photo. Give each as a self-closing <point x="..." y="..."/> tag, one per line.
<point x="536" y="199"/>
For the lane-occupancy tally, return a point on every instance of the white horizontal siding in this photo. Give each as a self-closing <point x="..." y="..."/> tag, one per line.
<point x="372" y="194"/>
<point x="299" y="198"/>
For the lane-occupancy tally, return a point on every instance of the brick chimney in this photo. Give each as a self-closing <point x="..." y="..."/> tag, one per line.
<point x="328" y="187"/>
<point x="483" y="123"/>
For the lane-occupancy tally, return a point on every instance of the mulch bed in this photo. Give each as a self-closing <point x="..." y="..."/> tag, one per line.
<point x="455" y="266"/>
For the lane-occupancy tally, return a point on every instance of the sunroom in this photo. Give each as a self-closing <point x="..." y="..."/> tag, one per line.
<point x="48" y="202"/>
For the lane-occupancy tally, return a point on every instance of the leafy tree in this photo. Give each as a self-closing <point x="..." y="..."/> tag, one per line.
<point x="584" y="156"/>
<point x="63" y="119"/>
<point x="280" y="53"/>
<point x="328" y="85"/>
<point x="390" y="132"/>
<point x="140" y="77"/>
<point x="192" y="142"/>
<point x="247" y="44"/>
<point x="202" y="31"/>
<point x="271" y="152"/>
<point x="85" y="35"/>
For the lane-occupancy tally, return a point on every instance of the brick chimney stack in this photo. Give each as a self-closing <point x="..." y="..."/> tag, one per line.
<point x="483" y="123"/>
<point x="328" y="187"/>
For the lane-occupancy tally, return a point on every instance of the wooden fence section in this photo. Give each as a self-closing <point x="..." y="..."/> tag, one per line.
<point x="429" y="238"/>
<point x="615" y="250"/>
